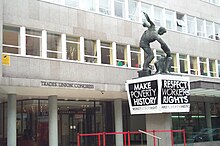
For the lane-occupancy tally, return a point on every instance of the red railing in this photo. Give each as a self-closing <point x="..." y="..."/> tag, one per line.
<point x="127" y="136"/>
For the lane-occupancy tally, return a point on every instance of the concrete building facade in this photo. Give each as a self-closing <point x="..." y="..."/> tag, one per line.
<point x="65" y="64"/>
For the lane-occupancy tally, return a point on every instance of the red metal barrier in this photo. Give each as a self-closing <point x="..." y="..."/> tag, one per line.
<point x="127" y="141"/>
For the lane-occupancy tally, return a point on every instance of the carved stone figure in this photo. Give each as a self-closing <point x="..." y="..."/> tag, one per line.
<point x="151" y="35"/>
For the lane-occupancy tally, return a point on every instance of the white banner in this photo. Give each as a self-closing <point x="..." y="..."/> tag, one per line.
<point x="158" y="94"/>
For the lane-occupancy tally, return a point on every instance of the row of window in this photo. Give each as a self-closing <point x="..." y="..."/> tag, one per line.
<point x="132" y="10"/>
<point x="24" y="41"/>
<point x="215" y="2"/>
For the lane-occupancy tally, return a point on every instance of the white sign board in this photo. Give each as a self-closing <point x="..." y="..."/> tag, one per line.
<point x="158" y="94"/>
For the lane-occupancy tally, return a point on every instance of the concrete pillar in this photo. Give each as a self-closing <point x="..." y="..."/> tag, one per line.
<point x="11" y="126"/>
<point x="118" y="121"/>
<point x="53" y="121"/>
<point x="208" y="117"/>
<point x="159" y="122"/>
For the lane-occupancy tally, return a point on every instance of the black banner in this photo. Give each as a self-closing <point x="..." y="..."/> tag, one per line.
<point x="144" y="93"/>
<point x="175" y="92"/>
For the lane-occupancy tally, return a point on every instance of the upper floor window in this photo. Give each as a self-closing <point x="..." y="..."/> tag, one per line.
<point x="193" y="65"/>
<point x="121" y="55"/>
<point x="183" y="63"/>
<point x="106" y="53"/>
<point x="158" y="16"/>
<point x="200" y="27"/>
<point x="135" y="57"/>
<point x="33" y="42"/>
<point x="212" y="68"/>
<point x="90" y="51"/>
<point x="72" y="3"/>
<point x="217" y="31"/>
<point x="89" y="5"/>
<point x="133" y="10"/>
<point x="173" y="67"/>
<point x="170" y="15"/>
<point x="209" y="30"/>
<point x="119" y="8"/>
<point x="203" y="66"/>
<point x="73" y="48"/>
<point x="191" y="25"/>
<point x="105" y="7"/>
<point x="146" y="8"/>
<point x="11" y="39"/>
<point x="181" y="24"/>
<point x="54" y="46"/>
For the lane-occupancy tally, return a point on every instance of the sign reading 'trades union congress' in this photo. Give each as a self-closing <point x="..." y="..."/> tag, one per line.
<point x="158" y="94"/>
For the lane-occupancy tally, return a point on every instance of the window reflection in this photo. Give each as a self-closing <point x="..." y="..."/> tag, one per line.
<point x="11" y="39"/>
<point x="90" y="51"/>
<point x="121" y="54"/>
<point x="33" y="42"/>
<point x="135" y="57"/>
<point x="183" y="64"/>
<point x="54" y="46"/>
<point x="106" y="53"/>
<point x="73" y="48"/>
<point x="119" y="8"/>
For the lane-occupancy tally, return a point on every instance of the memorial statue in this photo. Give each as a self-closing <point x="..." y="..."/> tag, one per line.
<point x="151" y="35"/>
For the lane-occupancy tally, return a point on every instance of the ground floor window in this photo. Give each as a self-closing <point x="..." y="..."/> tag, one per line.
<point x="200" y="126"/>
<point x="73" y="117"/>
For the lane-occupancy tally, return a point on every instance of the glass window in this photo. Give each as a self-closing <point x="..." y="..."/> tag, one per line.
<point x="200" y="27"/>
<point x="209" y="29"/>
<point x="133" y="10"/>
<point x="33" y="42"/>
<point x="73" y="48"/>
<point x="146" y="8"/>
<point x="203" y="66"/>
<point x="180" y="18"/>
<point x="105" y="7"/>
<point x="216" y="2"/>
<point x="158" y="16"/>
<point x="54" y="46"/>
<point x="121" y="53"/>
<point x="183" y="64"/>
<point x="170" y="19"/>
<point x="119" y="8"/>
<point x="11" y="40"/>
<point x="72" y="3"/>
<point x="215" y="115"/>
<point x="106" y="53"/>
<point x="135" y="57"/>
<point x="193" y="66"/>
<point x="88" y="5"/>
<point x="193" y="122"/>
<point x="173" y="67"/>
<point x="217" y="31"/>
<point x="191" y="25"/>
<point x="212" y="68"/>
<point x="90" y="51"/>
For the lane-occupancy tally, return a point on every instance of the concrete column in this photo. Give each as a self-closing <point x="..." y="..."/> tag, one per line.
<point x="53" y="124"/>
<point x="11" y="126"/>
<point x="208" y="117"/>
<point x="159" y="122"/>
<point x="118" y="121"/>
